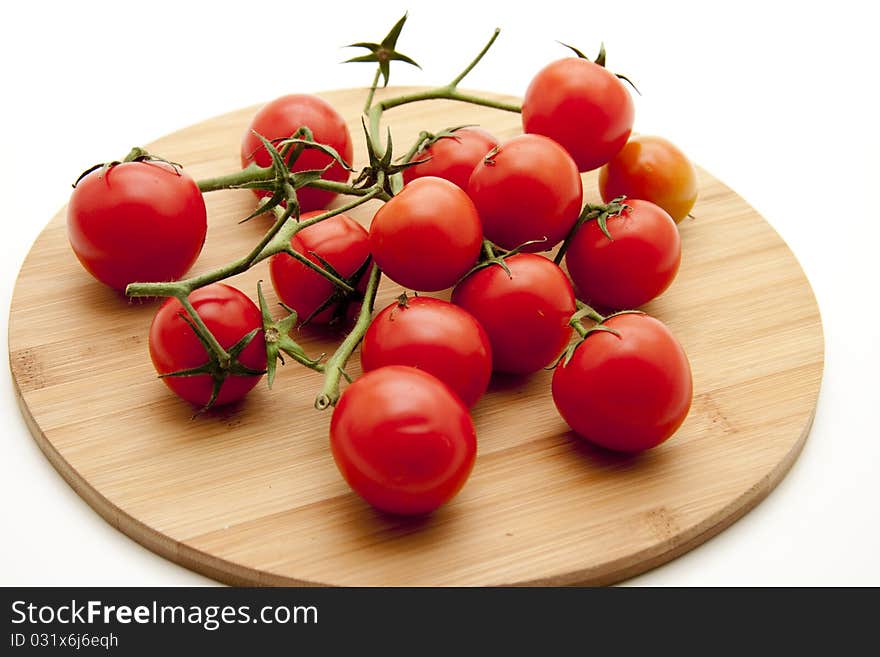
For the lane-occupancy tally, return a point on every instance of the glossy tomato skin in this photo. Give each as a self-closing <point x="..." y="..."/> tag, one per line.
<point x="136" y="222"/>
<point x="230" y="315"/>
<point x="436" y="337"/>
<point x="339" y="240"/>
<point x="627" y="393"/>
<point x="633" y="268"/>
<point x="428" y="236"/>
<point x="402" y="440"/>
<point x="528" y="190"/>
<point x="654" y="169"/>
<point x="582" y="106"/>
<point x="525" y="314"/>
<point x="453" y="158"/>
<point x="282" y="117"/>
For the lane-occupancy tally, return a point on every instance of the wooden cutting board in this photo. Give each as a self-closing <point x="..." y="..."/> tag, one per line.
<point x="250" y="495"/>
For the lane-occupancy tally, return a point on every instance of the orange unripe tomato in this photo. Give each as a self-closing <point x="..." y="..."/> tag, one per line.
<point x="653" y="169"/>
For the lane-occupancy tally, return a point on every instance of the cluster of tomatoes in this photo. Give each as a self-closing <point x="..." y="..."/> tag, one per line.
<point x="474" y="215"/>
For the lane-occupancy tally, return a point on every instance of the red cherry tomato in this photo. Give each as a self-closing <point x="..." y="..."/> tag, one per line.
<point x="626" y="393"/>
<point x="230" y="315"/>
<point x="281" y="118"/>
<point x="453" y="158"/>
<point x="653" y="169"/>
<point x="428" y="236"/>
<point x="525" y="314"/>
<point x="136" y="222"/>
<point x="529" y="189"/>
<point x="435" y="336"/>
<point x="582" y="106"/>
<point x="340" y="241"/>
<point x="633" y="268"/>
<point x="403" y="440"/>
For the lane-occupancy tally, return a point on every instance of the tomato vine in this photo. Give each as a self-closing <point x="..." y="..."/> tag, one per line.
<point x="384" y="178"/>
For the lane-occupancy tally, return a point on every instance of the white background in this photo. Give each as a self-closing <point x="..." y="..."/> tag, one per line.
<point x="777" y="99"/>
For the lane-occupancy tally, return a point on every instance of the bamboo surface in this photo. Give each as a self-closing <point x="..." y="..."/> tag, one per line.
<point x="249" y="494"/>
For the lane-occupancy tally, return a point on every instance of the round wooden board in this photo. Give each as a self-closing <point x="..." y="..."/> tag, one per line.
<point x="250" y="494"/>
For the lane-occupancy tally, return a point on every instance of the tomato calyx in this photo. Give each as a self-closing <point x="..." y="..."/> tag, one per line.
<point x="342" y="297"/>
<point x="276" y="333"/>
<point x="284" y="182"/>
<point x="600" y="61"/>
<point x="493" y="254"/>
<point x="594" y="212"/>
<point x="221" y="363"/>
<point x="384" y="52"/>
<point x="489" y="158"/>
<point x="576" y="322"/>
<point x="136" y="154"/>
<point x="378" y="173"/>
<point x="428" y="139"/>
<point x="292" y="147"/>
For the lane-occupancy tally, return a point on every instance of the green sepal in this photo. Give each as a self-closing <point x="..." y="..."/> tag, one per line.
<point x="314" y="145"/>
<point x="582" y="311"/>
<point x="385" y="52"/>
<point x="379" y="167"/>
<point x="219" y="369"/>
<point x="577" y="52"/>
<point x="494" y="258"/>
<point x="489" y="158"/>
<point x="483" y="264"/>
<point x="282" y="190"/>
<point x="598" y="328"/>
<point x="136" y="154"/>
<point x="600" y="60"/>
<point x="499" y="259"/>
<point x="602" y="220"/>
<point x="600" y="213"/>
<point x="340" y="298"/>
<point x="624" y="312"/>
<point x="300" y="179"/>
<point x="446" y="133"/>
<point x="277" y="336"/>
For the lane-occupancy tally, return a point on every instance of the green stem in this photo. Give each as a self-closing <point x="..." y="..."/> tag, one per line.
<point x="338" y="282"/>
<point x="397" y="178"/>
<point x="276" y="240"/>
<point x="588" y="212"/>
<point x="488" y="250"/>
<point x="254" y="173"/>
<point x="281" y="241"/>
<point x="134" y="154"/>
<point x="372" y="90"/>
<point x="182" y="289"/>
<point x="416" y="147"/>
<point x="348" y="190"/>
<point x="560" y="254"/>
<point x="330" y="276"/>
<point x="585" y="311"/>
<point x="251" y="173"/>
<point x="335" y="365"/>
<point x="374" y="118"/>
<point x="216" y="347"/>
<point x="448" y="93"/>
<point x="369" y="193"/>
<point x="476" y="59"/>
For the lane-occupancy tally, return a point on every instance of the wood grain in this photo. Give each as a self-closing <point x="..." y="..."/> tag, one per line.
<point x="250" y="495"/>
